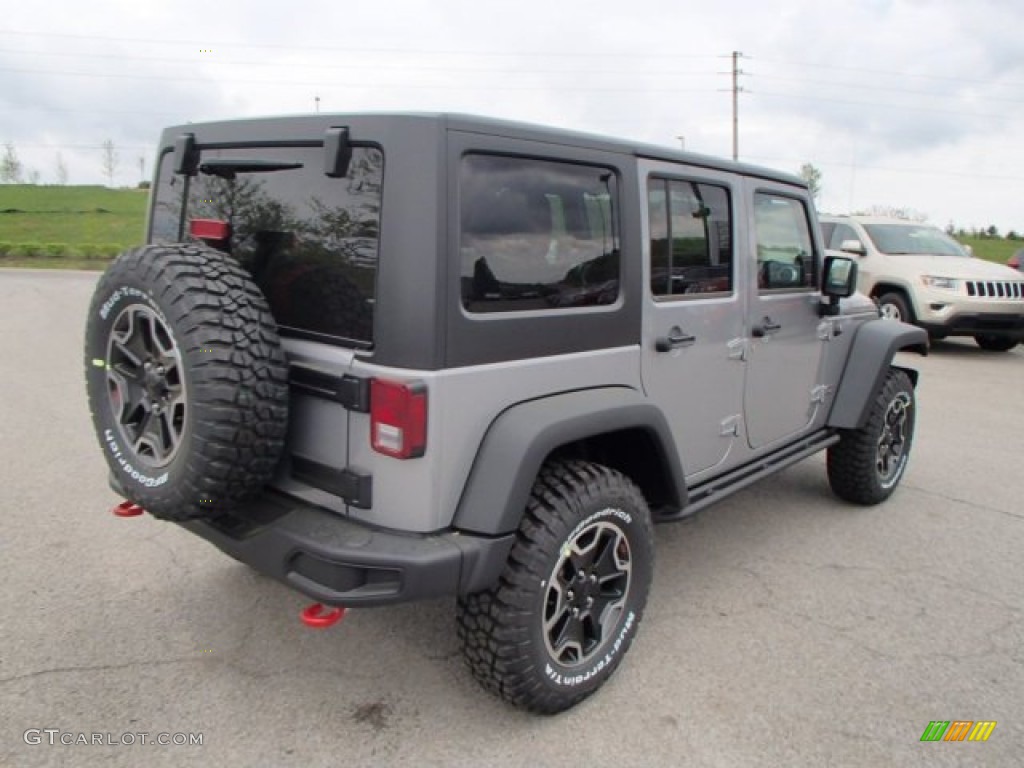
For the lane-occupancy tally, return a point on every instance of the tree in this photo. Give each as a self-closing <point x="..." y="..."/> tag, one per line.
<point x="992" y="231"/>
<point x="110" y="161"/>
<point x="62" y="170"/>
<point x="33" y="176"/>
<point x="893" y="212"/>
<point x="812" y="176"/>
<point x="10" y="166"/>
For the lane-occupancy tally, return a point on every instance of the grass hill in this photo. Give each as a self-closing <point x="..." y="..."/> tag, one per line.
<point x="73" y="224"/>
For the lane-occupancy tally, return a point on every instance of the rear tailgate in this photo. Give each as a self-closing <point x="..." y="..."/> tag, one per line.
<point x="310" y="242"/>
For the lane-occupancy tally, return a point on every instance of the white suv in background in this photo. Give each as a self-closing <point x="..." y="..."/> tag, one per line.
<point x="920" y="275"/>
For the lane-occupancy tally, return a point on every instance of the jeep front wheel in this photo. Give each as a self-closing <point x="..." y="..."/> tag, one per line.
<point x="866" y="465"/>
<point x="572" y="594"/>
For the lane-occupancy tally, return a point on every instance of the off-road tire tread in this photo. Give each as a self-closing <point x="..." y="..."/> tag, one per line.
<point x="852" y="473"/>
<point x="494" y="625"/>
<point x="239" y="375"/>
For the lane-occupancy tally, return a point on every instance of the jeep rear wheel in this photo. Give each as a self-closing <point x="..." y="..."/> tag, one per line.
<point x="994" y="343"/>
<point x="187" y="380"/>
<point x="866" y="465"/>
<point x="572" y="594"/>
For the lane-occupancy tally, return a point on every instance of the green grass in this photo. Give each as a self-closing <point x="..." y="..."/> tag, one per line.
<point x="998" y="250"/>
<point x="73" y="216"/>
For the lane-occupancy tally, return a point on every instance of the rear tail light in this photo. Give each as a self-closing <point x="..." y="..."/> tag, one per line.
<point x="398" y="418"/>
<point x="210" y="230"/>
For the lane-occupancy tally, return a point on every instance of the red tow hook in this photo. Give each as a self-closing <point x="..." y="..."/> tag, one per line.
<point x="127" y="509"/>
<point x="319" y="616"/>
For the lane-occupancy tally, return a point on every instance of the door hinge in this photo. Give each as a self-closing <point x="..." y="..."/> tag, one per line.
<point x="353" y="486"/>
<point x="731" y="426"/>
<point x="825" y="331"/>
<point x="352" y="392"/>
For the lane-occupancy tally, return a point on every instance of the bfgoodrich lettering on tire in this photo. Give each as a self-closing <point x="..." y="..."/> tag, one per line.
<point x="866" y="465"/>
<point x="572" y="594"/>
<point x="187" y="380"/>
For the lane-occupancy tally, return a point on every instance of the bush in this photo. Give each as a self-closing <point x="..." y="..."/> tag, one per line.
<point x="25" y="250"/>
<point x="102" y="250"/>
<point x="54" y="250"/>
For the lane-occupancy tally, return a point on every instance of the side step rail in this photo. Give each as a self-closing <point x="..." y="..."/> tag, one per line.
<point x="711" y="491"/>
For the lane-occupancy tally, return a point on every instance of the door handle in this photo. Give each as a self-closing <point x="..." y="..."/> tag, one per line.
<point x="767" y="326"/>
<point x="675" y="339"/>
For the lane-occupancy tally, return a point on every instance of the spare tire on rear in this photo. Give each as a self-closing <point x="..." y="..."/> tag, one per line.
<point x="187" y="380"/>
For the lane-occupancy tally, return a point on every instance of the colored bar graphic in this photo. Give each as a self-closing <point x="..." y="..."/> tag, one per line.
<point x="982" y="730"/>
<point x="958" y="730"/>
<point x="935" y="730"/>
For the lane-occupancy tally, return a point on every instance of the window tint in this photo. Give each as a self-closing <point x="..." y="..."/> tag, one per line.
<point x="536" y="234"/>
<point x="691" y="238"/>
<point x="309" y="241"/>
<point x="785" y="251"/>
<point x="842" y="233"/>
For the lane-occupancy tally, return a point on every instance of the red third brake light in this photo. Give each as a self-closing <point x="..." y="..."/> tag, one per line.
<point x="209" y="229"/>
<point x="398" y="418"/>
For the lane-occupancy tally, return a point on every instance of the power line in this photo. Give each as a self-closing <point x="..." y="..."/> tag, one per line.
<point x="361" y="66"/>
<point x="888" y="72"/>
<point x="604" y="54"/>
<point x="881" y="105"/>
<point x="834" y="84"/>
<point x="335" y="83"/>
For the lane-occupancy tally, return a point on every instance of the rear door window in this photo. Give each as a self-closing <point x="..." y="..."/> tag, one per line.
<point x="537" y="234"/>
<point x="310" y="242"/>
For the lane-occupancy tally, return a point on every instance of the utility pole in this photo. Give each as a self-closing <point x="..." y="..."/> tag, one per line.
<point x="682" y="142"/>
<point x="736" y="72"/>
<point x="317" y="100"/>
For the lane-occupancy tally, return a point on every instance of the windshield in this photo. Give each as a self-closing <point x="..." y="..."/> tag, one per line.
<point x="913" y="240"/>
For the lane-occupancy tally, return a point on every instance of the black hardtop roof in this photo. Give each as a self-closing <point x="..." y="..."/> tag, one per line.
<point x="311" y="127"/>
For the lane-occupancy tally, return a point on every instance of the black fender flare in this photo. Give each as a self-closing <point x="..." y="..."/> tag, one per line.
<point x="871" y="355"/>
<point x="519" y="440"/>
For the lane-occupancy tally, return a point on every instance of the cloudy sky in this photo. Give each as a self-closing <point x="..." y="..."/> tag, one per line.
<point x="915" y="104"/>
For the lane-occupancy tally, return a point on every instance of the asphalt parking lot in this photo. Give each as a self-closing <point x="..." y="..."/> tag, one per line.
<point x="784" y="627"/>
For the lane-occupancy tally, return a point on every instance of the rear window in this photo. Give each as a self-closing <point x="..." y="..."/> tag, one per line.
<point x="310" y="242"/>
<point x="537" y="234"/>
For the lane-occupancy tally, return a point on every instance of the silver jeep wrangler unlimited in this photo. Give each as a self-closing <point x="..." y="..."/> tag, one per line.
<point x="382" y="358"/>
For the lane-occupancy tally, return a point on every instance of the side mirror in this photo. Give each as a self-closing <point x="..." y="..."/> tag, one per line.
<point x="856" y="247"/>
<point x="838" y="282"/>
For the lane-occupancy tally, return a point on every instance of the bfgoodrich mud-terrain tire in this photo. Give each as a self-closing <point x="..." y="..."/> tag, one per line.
<point x="572" y="594"/>
<point x="866" y="465"/>
<point x="187" y="380"/>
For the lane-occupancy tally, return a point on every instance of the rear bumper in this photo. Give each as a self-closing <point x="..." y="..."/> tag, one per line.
<point x="337" y="561"/>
